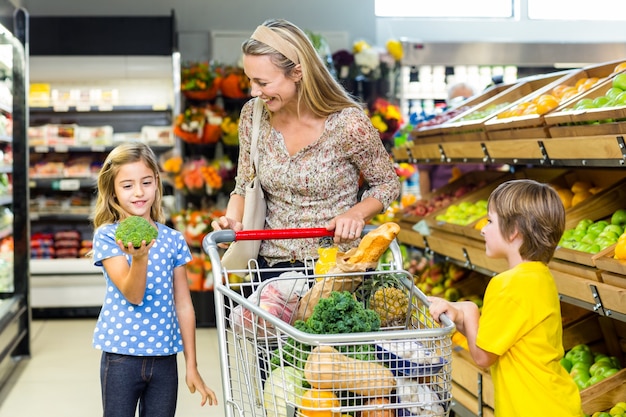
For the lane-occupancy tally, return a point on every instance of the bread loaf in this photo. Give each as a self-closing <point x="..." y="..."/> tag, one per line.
<point x="375" y="243"/>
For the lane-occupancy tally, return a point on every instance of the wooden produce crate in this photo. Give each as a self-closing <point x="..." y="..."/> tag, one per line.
<point x="428" y="152"/>
<point x="447" y="244"/>
<point x="613" y="271"/>
<point x="434" y="133"/>
<point x="605" y="394"/>
<point x="538" y="174"/>
<point x="454" y="190"/>
<point x="467" y="127"/>
<point x="597" y="207"/>
<point x="534" y="125"/>
<point x="401" y="154"/>
<point x="599" y="334"/>
<point x="409" y="236"/>
<point x="569" y="123"/>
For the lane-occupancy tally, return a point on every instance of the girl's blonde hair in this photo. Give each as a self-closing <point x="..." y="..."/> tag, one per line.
<point x="533" y="209"/>
<point x="107" y="208"/>
<point x="318" y="89"/>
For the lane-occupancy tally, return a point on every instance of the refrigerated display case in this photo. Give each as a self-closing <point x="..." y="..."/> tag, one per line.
<point x="14" y="226"/>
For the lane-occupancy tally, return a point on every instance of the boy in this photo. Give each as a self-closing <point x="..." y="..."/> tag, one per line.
<point x="519" y="332"/>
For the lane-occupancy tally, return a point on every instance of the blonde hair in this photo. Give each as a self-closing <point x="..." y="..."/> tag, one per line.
<point x="533" y="209"/>
<point x="318" y="89"/>
<point x="107" y="208"/>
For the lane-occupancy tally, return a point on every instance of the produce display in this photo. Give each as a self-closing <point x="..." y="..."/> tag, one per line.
<point x="614" y="96"/>
<point x="464" y="213"/>
<point x="442" y="118"/>
<point x="576" y="193"/>
<point x="588" y="367"/>
<point x="618" y="410"/>
<point x="440" y="200"/>
<point x="486" y="112"/>
<point x="135" y="230"/>
<point x="543" y="103"/>
<point x="592" y="237"/>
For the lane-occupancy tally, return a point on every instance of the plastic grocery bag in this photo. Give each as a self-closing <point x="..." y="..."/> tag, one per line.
<point x="278" y="296"/>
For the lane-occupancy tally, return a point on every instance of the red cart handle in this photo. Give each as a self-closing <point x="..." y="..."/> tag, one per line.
<point x="283" y="234"/>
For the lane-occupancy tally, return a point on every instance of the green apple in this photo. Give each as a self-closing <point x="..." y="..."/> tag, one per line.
<point x="584" y="224"/>
<point x="613" y="92"/>
<point x="600" y="101"/>
<point x="584" y="103"/>
<point x="621" y="99"/>
<point x="599" y="367"/>
<point x="567" y="364"/>
<point x="619" y="217"/>
<point x="619" y="81"/>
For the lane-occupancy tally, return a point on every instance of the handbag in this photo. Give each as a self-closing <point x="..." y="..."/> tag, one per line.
<point x="239" y="253"/>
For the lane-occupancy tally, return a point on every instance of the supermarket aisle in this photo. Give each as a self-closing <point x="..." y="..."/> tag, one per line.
<point x="62" y="377"/>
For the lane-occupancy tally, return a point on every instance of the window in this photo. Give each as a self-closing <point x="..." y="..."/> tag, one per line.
<point x="576" y="10"/>
<point x="445" y="8"/>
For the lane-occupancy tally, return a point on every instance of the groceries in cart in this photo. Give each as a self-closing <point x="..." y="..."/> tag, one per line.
<point x="360" y="259"/>
<point x="279" y="297"/>
<point x="357" y="343"/>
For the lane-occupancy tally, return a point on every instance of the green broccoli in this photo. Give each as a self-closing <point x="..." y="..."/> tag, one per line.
<point x="135" y="229"/>
<point x="338" y="314"/>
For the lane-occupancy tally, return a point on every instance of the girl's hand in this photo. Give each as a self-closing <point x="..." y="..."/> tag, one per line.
<point x="347" y="227"/>
<point x="139" y="252"/>
<point x="194" y="382"/>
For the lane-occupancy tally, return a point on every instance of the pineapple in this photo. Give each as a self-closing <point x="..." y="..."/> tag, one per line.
<point x="389" y="298"/>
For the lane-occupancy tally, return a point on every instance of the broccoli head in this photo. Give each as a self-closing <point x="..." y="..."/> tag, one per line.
<point x="135" y="229"/>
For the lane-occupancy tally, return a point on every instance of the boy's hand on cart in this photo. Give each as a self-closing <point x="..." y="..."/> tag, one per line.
<point x="439" y="306"/>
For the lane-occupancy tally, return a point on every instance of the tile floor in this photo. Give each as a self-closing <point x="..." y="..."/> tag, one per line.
<point x="61" y="379"/>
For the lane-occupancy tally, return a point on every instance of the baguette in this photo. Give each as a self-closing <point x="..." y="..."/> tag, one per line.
<point x="375" y="243"/>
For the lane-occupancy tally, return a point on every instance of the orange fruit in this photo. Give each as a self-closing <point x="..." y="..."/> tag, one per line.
<point x="580" y="196"/>
<point x="580" y="82"/>
<point x="530" y="109"/>
<point x="579" y="186"/>
<point x="566" y="197"/>
<point x="620" y="67"/>
<point x="547" y="104"/>
<point x="559" y="89"/>
<point x="317" y="403"/>
<point x="481" y="223"/>
<point x="408" y="199"/>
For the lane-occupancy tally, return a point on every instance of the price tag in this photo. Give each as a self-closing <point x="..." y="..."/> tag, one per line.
<point x="69" y="185"/>
<point x="61" y="148"/>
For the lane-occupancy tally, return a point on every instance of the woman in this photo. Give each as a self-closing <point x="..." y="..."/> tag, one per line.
<point x="315" y="143"/>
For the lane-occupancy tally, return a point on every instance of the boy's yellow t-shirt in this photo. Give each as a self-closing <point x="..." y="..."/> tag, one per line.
<point x="521" y="322"/>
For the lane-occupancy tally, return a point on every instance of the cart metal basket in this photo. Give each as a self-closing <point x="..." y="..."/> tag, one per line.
<point x="270" y="367"/>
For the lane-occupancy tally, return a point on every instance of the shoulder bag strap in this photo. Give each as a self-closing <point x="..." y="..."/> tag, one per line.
<point x="257" y="112"/>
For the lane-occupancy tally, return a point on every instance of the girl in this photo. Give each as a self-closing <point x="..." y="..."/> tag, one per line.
<point x="147" y="316"/>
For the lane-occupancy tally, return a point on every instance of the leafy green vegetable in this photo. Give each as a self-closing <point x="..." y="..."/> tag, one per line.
<point x="338" y="314"/>
<point x="135" y="229"/>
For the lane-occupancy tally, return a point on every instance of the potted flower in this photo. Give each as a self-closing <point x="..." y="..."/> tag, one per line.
<point x="200" y="81"/>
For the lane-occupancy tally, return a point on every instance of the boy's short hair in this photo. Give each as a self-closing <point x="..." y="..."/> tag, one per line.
<point x="535" y="210"/>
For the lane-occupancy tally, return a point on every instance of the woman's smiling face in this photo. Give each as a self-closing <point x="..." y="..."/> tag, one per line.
<point x="269" y="82"/>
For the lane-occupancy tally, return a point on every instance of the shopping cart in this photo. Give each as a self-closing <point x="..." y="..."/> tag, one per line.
<point x="270" y="367"/>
